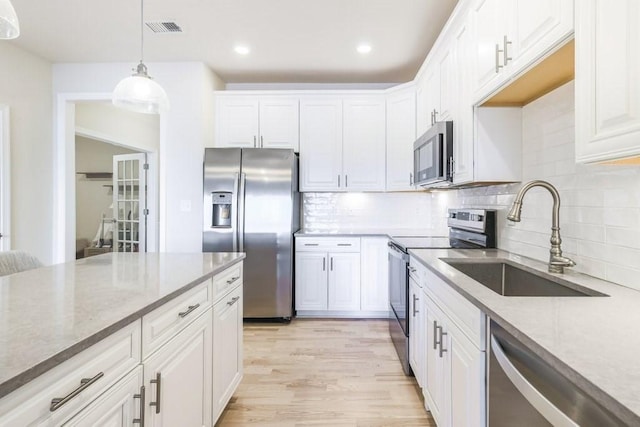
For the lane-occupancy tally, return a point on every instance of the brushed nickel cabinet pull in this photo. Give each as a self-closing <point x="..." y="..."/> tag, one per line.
<point x="312" y="244"/>
<point x="255" y="144"/>
<point x="442" y="349"/>
<point x="59" y="402"/>
<point x="410" y="179"/>
<point x="435" y="335"/>
<point x="507" y="58"/>
<point x="233" y="279"/>
<point x="261" y="141"/>
<point x="158" y="383"/>
<point x="346" y="181"/>
<point x="324" y="264"/>
<point x="415" y="298"/>
<point x="498" y="50"/>
<point x="189" y="310"/>
<point x="344" y="244"/>
<point x="338" y="180"/>
<point x="233" y="301"/>
<point x="331" y="263"/>
<point x="140" y="396"/>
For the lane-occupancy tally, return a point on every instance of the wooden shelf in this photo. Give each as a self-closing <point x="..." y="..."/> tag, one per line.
<point x="96" y="175"/>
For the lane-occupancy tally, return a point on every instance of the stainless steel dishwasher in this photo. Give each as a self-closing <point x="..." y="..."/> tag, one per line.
<point x="524" y="390"/>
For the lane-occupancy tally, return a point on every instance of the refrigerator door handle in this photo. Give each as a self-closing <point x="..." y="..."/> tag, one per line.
<point x="236" y="183"/>
<point x="240" y="227"/>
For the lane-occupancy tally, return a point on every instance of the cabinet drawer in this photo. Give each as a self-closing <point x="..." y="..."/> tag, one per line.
<point x="105" y="363"/>
<point x="227" y="280"/>
<point x="328" y="244"/>
<point x="469" y="318"/>
<point x="167" y="320"/>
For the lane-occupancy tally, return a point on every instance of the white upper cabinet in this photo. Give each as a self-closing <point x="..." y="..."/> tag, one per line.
<point x="607" y="76"/>
<point x="320" y="144"/>
<point x="237" y="122"/>
<point x="342" y="143"/>
<point x="463" y="138"/>
<point x="246" y="121"/>
<point x="512" y="34"/>
<point x="364" y="150"/>
<point x="401" y="134"/>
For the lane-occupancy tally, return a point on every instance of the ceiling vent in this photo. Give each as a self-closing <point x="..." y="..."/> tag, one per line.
<point x="164" y="27"/>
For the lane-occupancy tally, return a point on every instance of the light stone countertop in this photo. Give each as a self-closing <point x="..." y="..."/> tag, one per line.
<point x="364" y="232"/>
<point x="49" y="314"/>
<point x="592" y="340"/>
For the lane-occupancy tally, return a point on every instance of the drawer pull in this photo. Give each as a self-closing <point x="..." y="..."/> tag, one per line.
<point x="344" y="244"/>
<point x="312" y="244"/>
<point x="157" y="382"/>
<point x="233" y="301"/>
<point x="140" y="396"/>
<point x="233" y="279"/>
<point x="184" y="314"/>
<point x="57" y="403"/>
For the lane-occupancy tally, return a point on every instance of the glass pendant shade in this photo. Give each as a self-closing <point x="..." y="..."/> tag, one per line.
<point x="9" y="25"/>
<point x="140" y="93"/>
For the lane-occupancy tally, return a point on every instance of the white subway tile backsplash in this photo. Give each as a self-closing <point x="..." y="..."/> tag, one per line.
<point x="600" y="209"/>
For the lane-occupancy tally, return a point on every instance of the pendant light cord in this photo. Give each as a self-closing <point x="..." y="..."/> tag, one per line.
<point x="141" y="31"/>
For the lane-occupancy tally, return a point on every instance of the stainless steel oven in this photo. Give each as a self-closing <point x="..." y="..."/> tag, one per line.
<point x="468" y="229"/>
<point x="433" y="156"/>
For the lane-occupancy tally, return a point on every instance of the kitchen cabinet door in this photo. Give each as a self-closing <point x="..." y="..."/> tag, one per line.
<point x="119" y="406"/>
<point x="436" y="391"/>
<point x="374" y="262"/>
<point x="423" y="116"/>
<point x="321" y="144"/>
<point x="401" y="134"/>
<point x="237" y="122"/>
<point x="539" y="25"/>
<point x="227" y="345"/>
<point x="467" y="381"/>
<point x="279" y="120"/>
<point x="344" y="282"/>
<point x="311" y="280"/>
<point x="463" y="139"/>
<point x="364" y="144"/>
<point x="447" y="83"/>
<point x="607" y="88"/>
<point x="416" y="332"/>
<point x="490" y="23"/>
<point x="180" y="394"/>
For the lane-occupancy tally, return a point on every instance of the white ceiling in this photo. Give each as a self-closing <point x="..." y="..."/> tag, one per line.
<point x="291" y="41"/>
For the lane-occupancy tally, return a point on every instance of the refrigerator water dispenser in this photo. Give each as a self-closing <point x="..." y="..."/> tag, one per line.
<point x="221" y="204"/>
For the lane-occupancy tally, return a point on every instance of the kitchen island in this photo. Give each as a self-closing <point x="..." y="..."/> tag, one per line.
<point x="56" y="319"/>
<point x="590" y="340"/>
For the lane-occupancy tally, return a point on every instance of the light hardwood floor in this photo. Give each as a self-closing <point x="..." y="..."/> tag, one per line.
<point x="323" y="373"/>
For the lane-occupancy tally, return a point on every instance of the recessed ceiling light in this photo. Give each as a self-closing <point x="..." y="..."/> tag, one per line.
<point x="242" y="50"/>
<point x="364" y="48"/>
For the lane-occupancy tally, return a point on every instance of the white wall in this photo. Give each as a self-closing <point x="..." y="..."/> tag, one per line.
<point x="419" y="212"/>
<point x="105" y="121"/>
<point x="92" y="197"/>
<point x="25" y="86"/>
<point x="600" y="209"/>
<point x="184" y="132"/>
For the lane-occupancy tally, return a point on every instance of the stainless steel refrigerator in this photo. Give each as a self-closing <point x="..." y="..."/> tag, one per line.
<point x="252" y="205"/>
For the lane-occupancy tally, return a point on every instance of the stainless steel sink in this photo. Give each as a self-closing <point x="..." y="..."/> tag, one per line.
<point x="508" y="279"/>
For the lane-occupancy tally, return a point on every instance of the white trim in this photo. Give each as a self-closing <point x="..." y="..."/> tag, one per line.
<point x="5" y="179"/>
<point x="63" y="247"/>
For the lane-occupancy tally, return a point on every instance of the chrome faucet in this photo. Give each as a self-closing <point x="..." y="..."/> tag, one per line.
<point x="557" y="262"/>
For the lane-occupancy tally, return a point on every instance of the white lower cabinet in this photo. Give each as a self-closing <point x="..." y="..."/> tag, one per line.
<point x="417" y="332"/>
<point x="120" y="406"/>
<point x="178" y="378"/>
<point x="454" y="389"/>
<point x="341" y="277"/>
<point x="227" y="344"/>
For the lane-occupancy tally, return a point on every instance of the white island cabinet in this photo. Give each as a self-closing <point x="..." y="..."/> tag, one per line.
<point x="163" y="367"/>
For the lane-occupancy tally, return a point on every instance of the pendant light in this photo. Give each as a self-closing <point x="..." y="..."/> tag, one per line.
<point x="139" y="92"/>
<point x="9" y="25"/>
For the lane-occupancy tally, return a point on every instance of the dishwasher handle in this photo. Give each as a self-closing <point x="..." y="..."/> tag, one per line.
<point x="547" y="409"/>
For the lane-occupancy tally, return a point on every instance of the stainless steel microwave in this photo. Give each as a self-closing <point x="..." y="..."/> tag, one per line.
<point x="433" y="156"/>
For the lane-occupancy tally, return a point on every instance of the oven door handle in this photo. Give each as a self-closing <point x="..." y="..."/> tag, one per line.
<point x="547" y="409"/>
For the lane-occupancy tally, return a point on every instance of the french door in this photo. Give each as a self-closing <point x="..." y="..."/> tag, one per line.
<point x="130" y="202"/>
